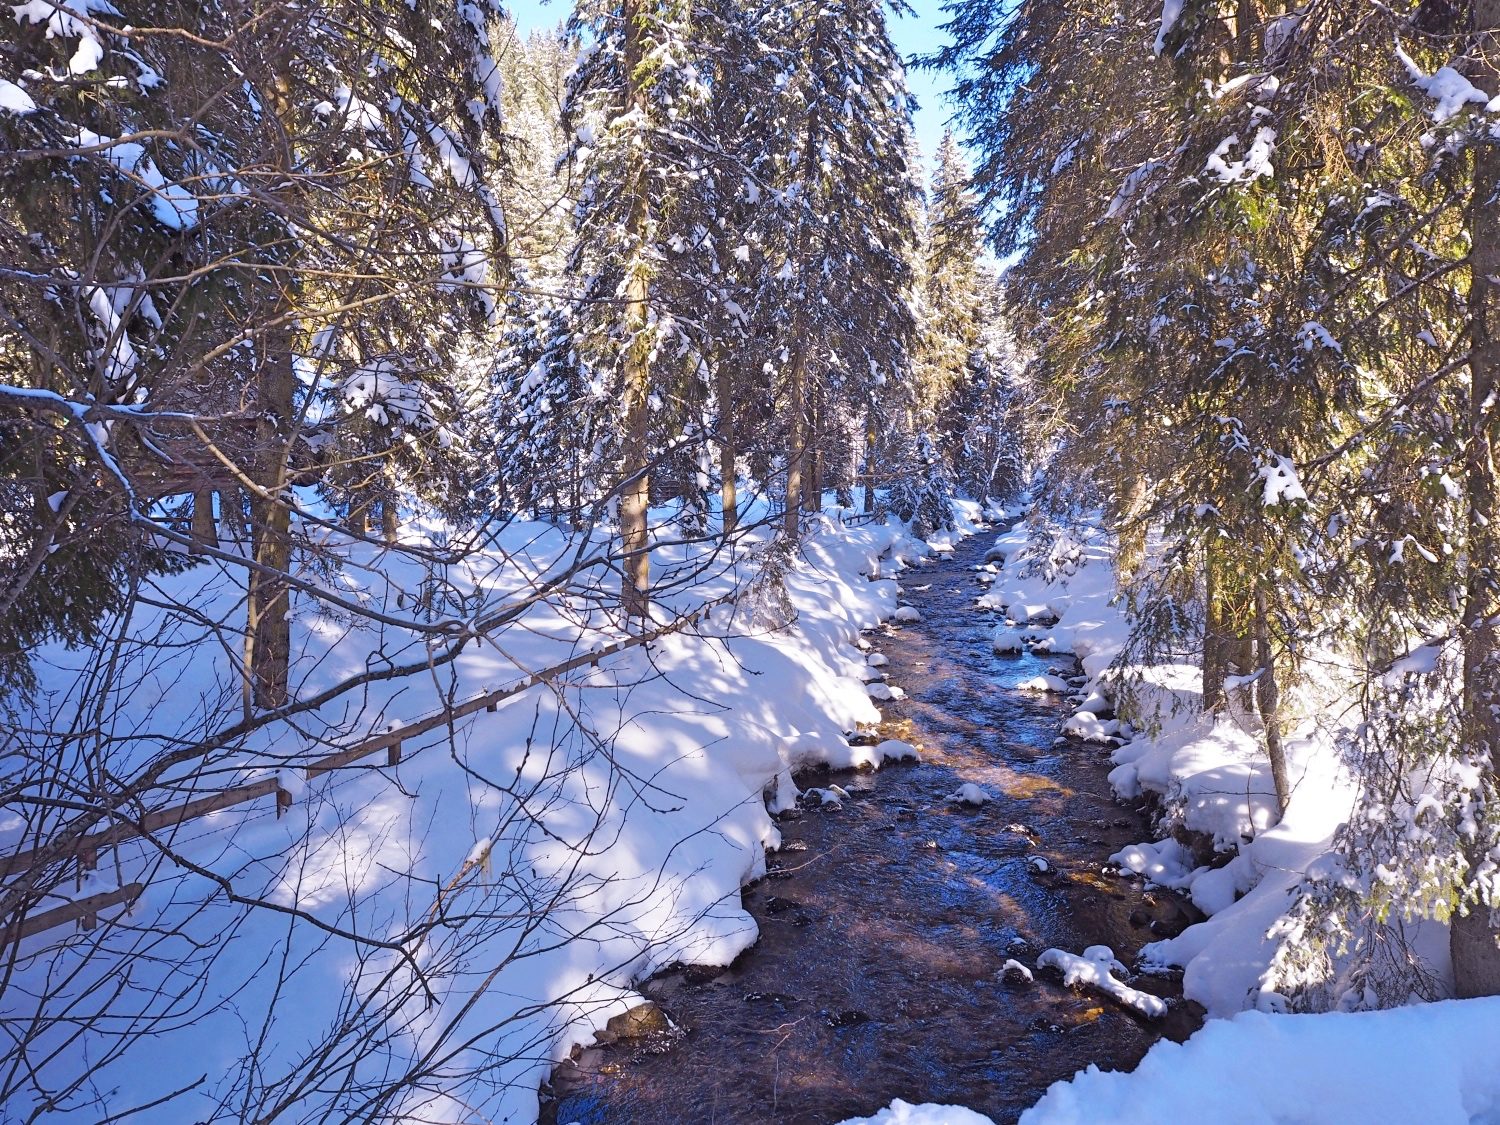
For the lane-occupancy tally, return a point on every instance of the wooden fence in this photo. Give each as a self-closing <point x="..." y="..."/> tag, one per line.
<point x="86" y="849"/>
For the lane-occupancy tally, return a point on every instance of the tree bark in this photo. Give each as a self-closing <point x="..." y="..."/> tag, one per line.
<point x="390" y="520"/>
<point x="796" y="452"/>
<point x="635" y="577"/>
<point x="1474" y="936"/>
<point x="1215" y="659"/>
<point x="1268" y="700"/>
<point x="205" y="531"/>
<point x="268" y="632"/>
<point x="728" y="452"/>
<point x="812" y="492"/>
<point x="1132" y="533"/>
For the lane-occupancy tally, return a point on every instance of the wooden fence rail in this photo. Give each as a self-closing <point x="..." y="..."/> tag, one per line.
<point x="86" y="849"/>
<point x="85" y="911"/>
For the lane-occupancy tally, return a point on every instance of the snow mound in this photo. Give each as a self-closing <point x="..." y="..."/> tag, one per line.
<point x="1432" y="1063"/>
<point x="908" y="615"/>
<point x="1096" y="969"/>
<point x="1091" y="728"/>
<point x="904" y="1113"/>
<point x="1055" y="685"/>
<point x="969" y="794"/>
<point x="1006" y="639"/>
<point x="894" y="750"/>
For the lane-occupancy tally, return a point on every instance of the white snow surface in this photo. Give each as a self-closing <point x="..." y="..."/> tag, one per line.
<point x="712" y="720"/>
<point x="69" y="19"/>
<point x="1171" y="12"/>
<point x="14" y="100"/>
<point x="1433" y="1063"/>
<point x="970" y="794"/>
<point x="1096" y="969"/>
<point x="904" y="1113"/>
<point x="1448" y="87"/>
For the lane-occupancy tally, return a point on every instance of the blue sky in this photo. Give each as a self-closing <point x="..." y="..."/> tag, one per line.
<point x="915" y="34"/>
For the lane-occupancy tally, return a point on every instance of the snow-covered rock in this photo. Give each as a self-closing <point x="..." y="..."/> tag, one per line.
<point x="969" y="794"/>
<point x="904" y="1113"/>
<point x="1096" y="969"/>
<point x="1006" y="639"/>
<point x="1040" y="684"/>
<point x="894" y="750"/>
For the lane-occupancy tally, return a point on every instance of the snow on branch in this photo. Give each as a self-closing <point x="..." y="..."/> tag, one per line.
<point x="1449" y="88"/>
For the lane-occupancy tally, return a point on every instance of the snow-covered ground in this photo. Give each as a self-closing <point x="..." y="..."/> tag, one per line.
<point x="1433" y="1063"/>
<point x="468" y="914"/>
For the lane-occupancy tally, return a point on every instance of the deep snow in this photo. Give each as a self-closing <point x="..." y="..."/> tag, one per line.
<point x="591" y="831"/>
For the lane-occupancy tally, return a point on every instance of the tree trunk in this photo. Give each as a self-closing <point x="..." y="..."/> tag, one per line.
<point x="1268" y="700"/>
<point x="797" y="463"/>
<point x="268" y="632"/>
<point x="1131" y="534"/>
<point x="390" y="520"/>
<point x="1475" y="938"/>
<point x="870" y="436"/>
<point x="205" y="531"/>
<point x="812" y="491"/>
<point x="728" y="453"/>
<point x="796" y="452"/>
<point x="1215" y="659"/>
<point x="635" y="577"/>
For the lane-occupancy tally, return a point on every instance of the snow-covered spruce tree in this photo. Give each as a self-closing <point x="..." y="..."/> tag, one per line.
<point x="953" y="283"/>
<point x="836" y="305"/>
<point x="241" y="264"/>
<point x="988" y="422"/>
<point x="536" y="190"/>
<point x="637" y="80"/>
<point x="965" y="361"/>
<point x="1372" y="288"/>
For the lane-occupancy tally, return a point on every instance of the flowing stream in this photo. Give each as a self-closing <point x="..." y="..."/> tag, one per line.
<point x="885" y="922"/>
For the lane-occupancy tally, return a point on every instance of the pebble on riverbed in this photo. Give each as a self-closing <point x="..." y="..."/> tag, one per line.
<point x="834" y="795"/>
<point x="1013" y="970"/>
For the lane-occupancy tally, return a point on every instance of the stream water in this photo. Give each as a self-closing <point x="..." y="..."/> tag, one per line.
<point x="885" y="922"/>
